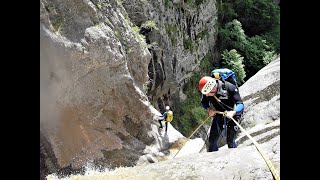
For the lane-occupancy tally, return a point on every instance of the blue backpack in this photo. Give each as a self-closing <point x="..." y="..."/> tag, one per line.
<point x="225" y="74"/>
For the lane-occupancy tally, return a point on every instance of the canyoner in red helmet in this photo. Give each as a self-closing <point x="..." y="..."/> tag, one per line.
<point x="221" y="96"/>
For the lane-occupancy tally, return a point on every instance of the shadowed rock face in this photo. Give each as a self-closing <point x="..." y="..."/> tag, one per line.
<point x="91" y="85"/>
<point x="182" y="38"/>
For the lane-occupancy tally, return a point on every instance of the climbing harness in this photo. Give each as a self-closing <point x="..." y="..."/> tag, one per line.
<point x="192" y="134"/>
<point x="224" y="127"/>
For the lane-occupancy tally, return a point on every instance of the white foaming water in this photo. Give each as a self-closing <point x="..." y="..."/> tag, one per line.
<point x="91" y="172"/>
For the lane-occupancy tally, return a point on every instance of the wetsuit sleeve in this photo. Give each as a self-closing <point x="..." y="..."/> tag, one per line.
<point x="235" y="95"/>
<point x="204" y="102"/>
<point x="165" y="115"/>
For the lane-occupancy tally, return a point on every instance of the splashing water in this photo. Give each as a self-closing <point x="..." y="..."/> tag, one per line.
<point x="121" y="173"/>
<point x="93" y="172"/>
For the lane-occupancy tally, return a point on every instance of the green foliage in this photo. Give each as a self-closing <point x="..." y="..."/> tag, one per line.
<point x="258" y="53"/>
<point x="150" y="24"/>
<point x="166" y="3"/>
<point x="193" y="3"/>
<point x="246" y="23"/>
<point x="255" y="50"/>
<point x="226" y="12"/>
<point x="202" y="34"/>
<point x="188" y="44"/>
<point x="234" y="61"/>
<point x="232" y="35"/>
<point x="189" y="2"/>
<point x="99" y="5"/>
<point x="147" y="86"/>
<point x="136" y="29"/>
<point x="140" y="37"/>
<point x="172" y="32"/>
<point x="257" y="17"/>
<point x="199" y="113"/>
<point x="116" y="33"/>
<point x="268" y="57"/>
<point x="273" y="39"/>
<point x="198" y="2"/>
<point x="171" y="29"/>
<point x="206" y="63"/>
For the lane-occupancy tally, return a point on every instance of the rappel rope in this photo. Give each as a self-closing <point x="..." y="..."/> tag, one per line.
<point x="192" y="134"/>
<point x="221" y="103"/>
<point x="272" y="169"/>
<point x="268" y="162"/>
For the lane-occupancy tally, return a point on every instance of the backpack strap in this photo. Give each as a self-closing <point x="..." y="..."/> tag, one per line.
<point x="223" y="85"/>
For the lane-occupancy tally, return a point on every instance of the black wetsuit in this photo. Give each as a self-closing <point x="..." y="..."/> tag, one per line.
<point x="164" y="115"/>
<point x="229" y="96"/>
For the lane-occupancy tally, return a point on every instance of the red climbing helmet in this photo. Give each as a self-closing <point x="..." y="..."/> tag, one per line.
<point x="206" y="84"/>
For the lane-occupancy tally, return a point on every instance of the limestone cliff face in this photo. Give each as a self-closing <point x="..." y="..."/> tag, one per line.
<point x="96" y="70"/>
<point x="184" y="35"/>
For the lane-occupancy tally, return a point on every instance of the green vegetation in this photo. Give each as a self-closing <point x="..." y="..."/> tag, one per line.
<point x="142" y="31"/>
<point x="255" y="50"/>
<point x="99" y="5"/>
<point x="139" y="36"/>
<point x="189" y="3"/>
<point x="202" y="34"/>
<point x="198" y="2"/>
<point x="193" y="3"/>
<point x="233" y="60"/>
<point x="167" y="3"/>
<point x="206" y="63"/>
<point x="173" y="33"/>
<point x="188" y="44"/>
<point x="257" y="17"/>
<point x="150" y="24"/>
<point x="258" y="54"/>
<point x="116" y="33"/>
<point x="252" y="28"/>
<point x="233" y="36"/>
